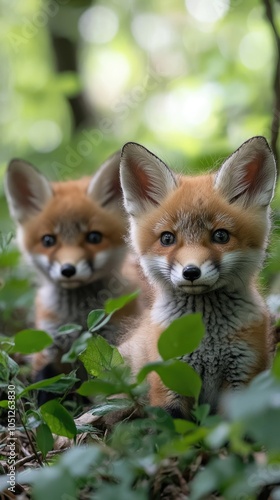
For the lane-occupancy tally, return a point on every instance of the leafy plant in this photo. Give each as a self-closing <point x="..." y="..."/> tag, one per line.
<point x="153" y="455"/>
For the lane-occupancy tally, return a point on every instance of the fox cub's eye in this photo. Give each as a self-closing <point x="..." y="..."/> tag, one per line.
<point x="94" y="237"/>
<point x="220" y="236"/>
<point x="48" y="240"/>
<point x="167" y="239"/>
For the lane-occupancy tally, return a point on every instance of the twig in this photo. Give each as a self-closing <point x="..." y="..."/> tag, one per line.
<point x="30" y="441"/>
<point x="25" y="460"/>
<point x="275" y="123"/>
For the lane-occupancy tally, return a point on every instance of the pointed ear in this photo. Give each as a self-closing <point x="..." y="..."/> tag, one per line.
<point x="145" y="179"/>
<point x="105" y="187"/>
<point x="27" y="190"/>
<point x="248" y="176"/>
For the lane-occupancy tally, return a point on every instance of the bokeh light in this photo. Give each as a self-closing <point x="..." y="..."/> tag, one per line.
<point x="207" y="12"/>
<point x="44" y="136"/>
<point x="98" y="24"/>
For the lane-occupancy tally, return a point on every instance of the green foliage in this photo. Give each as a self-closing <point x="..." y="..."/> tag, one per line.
<point x="176" y="375"/>
<point x="137" y="452"/>
<point x="182" y="337"/>
<point x="57" y="385"/>
<point x="142" y="457"/>
<point x="8" y="368"/>
<point x="44" y="439"/>
<point x="30" y="341"/>
<point x="58" y="419"/>
<point x="99" y="318"/>
<point x="192" y="91"/>
<point x="114" y="305"/>
<point x="99" y="356"/>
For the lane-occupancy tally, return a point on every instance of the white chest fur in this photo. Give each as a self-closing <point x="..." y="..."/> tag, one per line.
<point x="221" y="356"/>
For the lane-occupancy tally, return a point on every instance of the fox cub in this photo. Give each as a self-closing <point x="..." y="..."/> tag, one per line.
<point x="72" y="234"/>
<point x="201" y="241"/>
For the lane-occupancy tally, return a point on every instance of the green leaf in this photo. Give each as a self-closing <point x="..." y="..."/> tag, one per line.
<point x="201" y="413"/>
<point x="8" y="367"/>
<point x="77" y="347"/>
<point x="79" y="460"/>
<point x="9" y="259"/>
<point x="69" y="328"/>
<point x="180" y="445"/>
<point x="182" y="336"/>
<point x="51" y="482"/>
<point x="58" y="384"/>
<point x="112" y="405"/>
<point x="184" y="426"/>
<point x="219" y="436"/>
<point x="33" y="419"/>
<point x="100" y="356"/>
<point x="216" y="475"/>
<point x="276" y="365"/>
<point x="59" y="482"/>
<point x="30" y="341"/>
<point x="176" y="375"/>
<point x="4" y="403"/>
<point x="6" y="343"/>
<point x="257" y="406"/>
<point x="95" y="317"/>
<point x="58" y="419"/>
<point x="260" y="395"/>
<point x="113" y="305"/>
<point x="44" y="439"/>
<point x="97" y="386"/>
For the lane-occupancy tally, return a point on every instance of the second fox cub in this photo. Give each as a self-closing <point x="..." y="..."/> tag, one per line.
<point x="201" y="241"/>
<point x="72" y="234"/>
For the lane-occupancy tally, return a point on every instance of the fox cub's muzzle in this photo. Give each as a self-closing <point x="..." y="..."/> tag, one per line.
<point x="68" y="270"/>
<point x="191" y="273"/>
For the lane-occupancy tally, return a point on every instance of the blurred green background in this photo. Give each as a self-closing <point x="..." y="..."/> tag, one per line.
<point x="190" y="80"/>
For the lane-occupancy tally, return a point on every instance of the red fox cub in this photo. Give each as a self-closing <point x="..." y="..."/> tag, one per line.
<point x="72" y="234"/>
<point x="201" y="241"/>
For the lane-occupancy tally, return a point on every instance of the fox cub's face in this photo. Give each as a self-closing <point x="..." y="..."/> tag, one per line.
<point x="203" y="232"/>
<point x="72" y="231"/>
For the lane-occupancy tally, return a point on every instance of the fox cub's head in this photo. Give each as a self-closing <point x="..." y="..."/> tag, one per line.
<point x="72" y="231"/>
<point x="199" y="233"/>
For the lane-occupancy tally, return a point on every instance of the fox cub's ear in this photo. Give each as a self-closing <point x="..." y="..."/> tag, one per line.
<point x="26" y="189"/>
<point x="145" y="179"/>
<point x="248" y="176"/>
<point x="105" y="187"/>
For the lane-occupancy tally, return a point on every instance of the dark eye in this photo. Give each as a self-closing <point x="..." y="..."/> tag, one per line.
<point x="48" y="240"/>
<point x="167" y="239"/>
<point x="220" y="236"/>
<point x="94" y="237"/>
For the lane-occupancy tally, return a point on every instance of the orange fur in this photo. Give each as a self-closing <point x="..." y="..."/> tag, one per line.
<point x="192" y="209"/>
<point x="69" y="212"/>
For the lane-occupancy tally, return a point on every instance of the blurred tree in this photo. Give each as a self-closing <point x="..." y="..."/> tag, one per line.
<point x="275" y="123"/>
<point x="191" y="80"/>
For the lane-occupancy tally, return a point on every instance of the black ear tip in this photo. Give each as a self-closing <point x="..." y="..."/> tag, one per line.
<point x="260" y="138"/>
<point x="14" y="163"/>
<point x="128" y="145"/>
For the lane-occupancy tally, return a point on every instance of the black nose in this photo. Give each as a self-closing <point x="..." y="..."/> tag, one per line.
<point x="68" y="270"/>
<point x="191" y="273"/>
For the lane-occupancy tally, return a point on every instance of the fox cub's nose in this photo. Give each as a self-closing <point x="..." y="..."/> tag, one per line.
<point x="191" y="273"/>
<point x="68" y="270"/>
